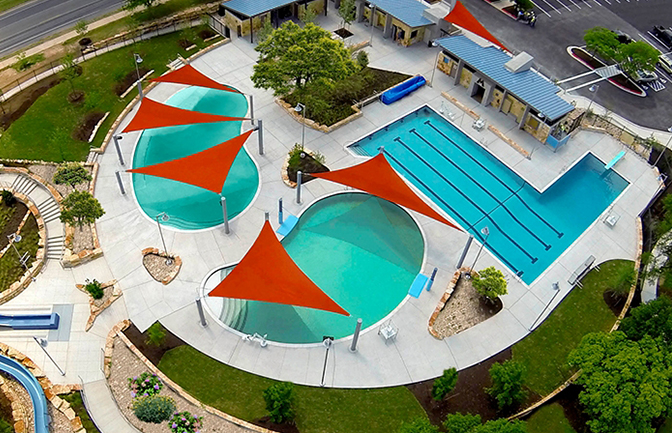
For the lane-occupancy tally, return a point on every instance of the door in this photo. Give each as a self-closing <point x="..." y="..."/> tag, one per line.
<point x="239" y="31"/>
<point x="506" y="107"/>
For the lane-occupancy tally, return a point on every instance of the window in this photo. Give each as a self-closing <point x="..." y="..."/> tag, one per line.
<point x="414" y="33"/>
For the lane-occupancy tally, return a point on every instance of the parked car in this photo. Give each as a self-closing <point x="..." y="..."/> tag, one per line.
<point x="622" y="37"/>
<point x="665" y="63"/>
<point x="645" y="76"/>
<point x="663" y="34"/>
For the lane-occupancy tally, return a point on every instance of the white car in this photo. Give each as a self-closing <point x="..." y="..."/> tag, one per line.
<point x="645" y="76"/>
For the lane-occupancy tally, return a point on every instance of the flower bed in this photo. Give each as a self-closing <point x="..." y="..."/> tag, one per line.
<point x="592" y="62"/>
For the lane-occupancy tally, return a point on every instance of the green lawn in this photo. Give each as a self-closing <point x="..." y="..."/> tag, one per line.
<point x="549" y="419"/>
<point x="10" y="267"/>
<point x="45" y="131"/>
<point x="76" y="403"/>
<point x="8" y="4"/>
<point x="319" y="410"/>
<point x="544" y="352"/>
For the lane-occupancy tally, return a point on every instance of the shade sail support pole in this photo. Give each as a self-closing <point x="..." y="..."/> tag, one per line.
<point x="120" y="183"/>
<point x="225" y="215"/>
<point x="281" y="218"/>
<point x="260" y="135"/>
<point x="251" y="109"/>
<point x="116" y="139"/>
<point x="465" y="251"/>
<point x="267" y="216"/>
<point x="298" y="186"/>
<point x="201" y="314"/>
<point x="355" y="337"/>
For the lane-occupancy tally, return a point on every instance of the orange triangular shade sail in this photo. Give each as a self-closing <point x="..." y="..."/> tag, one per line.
<point x="377" y="177"/>
<point x="268" y="274"/>
<point x="460" y="16"/>
<point x="190" y="76"/>
<point x="154" y="114"/>
<point x="207" y="169"/>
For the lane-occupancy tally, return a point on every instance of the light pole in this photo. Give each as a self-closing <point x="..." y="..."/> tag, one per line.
<point x="485" y="231"/>
<point x="663" y="149"/>
<point x="164" y="217"/>
<point x="300" y="108"/>
<point x="13" y="238"/>
<point x="138" y="60"/>
<point x="594" y="88"/>
<point x="436" y="64"/>
<point x="371" y="21"/>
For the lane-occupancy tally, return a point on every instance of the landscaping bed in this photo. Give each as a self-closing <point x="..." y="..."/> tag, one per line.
<point x="343" y="33"/>
<point x="593" y="62"/>
<point x="129" y="80"/>
<point x="76" y="403"/>
<point x="329" y="105"/>
<point x="11" y="269"/>
<point x="87" y="125"/>
<point x="153" y="352"/>
<point x="305" y="164"/>
<point x="10" y="219"/>
<point x="17" y="105"/>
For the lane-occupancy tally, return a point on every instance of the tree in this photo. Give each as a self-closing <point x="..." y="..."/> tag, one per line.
<point x="279" y="400"/>
<point x="347" y="11"/>
<point x="626" y="384"/>
<point x="265" y="31"/>
<point x="418" y="425"/>
<point x="308" y="14"/>
<point x="70" y="71"/>
<point x="653" y="319"/>
<point x="507" y="383"/>
<point x="603" y="42"/>
<point x="72" y="173"/>
<point x="461" y="423"/>
<point x="444" y="384"/>
<point x="523" y="5"/>
<point x="490" y="282"/>
<point x="638" y="56"/>
<point x="363" y="59"/>
<point x="130" y="5"/>
<point x="80" y="208"/>
<point x="81" y="28"/>
<point x="501" y="425"/>
<point x="156" y="335"/>
<point x="293" y="56"/>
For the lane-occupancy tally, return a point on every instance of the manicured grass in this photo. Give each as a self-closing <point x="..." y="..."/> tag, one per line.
<point x="549" y="419"/>
<point x="318" y="410"/>
<point x="8" y="4"/>
<point x="6" y="213"/>
<point x="544" y="352"/>
<point x="10" y="267"/>
<point x="44" y="132"/>
<point x="76" y="403"/>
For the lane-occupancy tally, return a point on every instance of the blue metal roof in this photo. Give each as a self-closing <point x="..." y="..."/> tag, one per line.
<point x="529" y="86"/>
<point x="253" y="8"/>
<point x="408" y="12"/>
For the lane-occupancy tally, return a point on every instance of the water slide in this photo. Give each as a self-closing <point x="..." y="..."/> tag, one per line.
<point x="28" y="381"/>
<point x="29" y="321"/>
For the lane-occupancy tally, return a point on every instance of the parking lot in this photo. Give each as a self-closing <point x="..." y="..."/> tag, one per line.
<point x="548" y="42"/>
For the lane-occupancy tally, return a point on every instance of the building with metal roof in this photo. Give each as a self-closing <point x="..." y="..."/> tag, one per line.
<point x="505" y="82"/>
<point x="404" y="21"/>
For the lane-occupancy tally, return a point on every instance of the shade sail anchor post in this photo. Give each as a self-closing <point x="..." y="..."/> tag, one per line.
<point x="327" y="341"/>
<point x="225" y="215"/>
<point x="201" y="314"/>
<point x="260" y="135"/>
<point x="164" y="217"/>
<point x="267" y="216"/>
<point x="116" y="139"/>
<point x="430" y="282"/>
<point x="355" y="337"/>
<point x="281" y="218"/>
<point x="460" y="262"/>
<point x="299" y="175"/>
<point x="251" y="109"/>
<point x="120" y="183"/>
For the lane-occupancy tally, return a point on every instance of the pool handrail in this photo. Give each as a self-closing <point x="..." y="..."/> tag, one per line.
<point x="19" y="372"/>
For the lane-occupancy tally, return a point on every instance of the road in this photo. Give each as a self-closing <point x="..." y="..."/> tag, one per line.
<point x="37" y="19"/>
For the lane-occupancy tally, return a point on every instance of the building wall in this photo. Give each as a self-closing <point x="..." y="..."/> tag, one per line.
<point x="233" y="22"/>
<point x="380" y="17"/>
<point x="447" y="65"/>
<point x="408" y="31"/>
<point x="316" y="6"/>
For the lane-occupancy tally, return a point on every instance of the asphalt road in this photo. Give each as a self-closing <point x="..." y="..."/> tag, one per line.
<point x="37" y="19"/>
<point x="548" y="41"/>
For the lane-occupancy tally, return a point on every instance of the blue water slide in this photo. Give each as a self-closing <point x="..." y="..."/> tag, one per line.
<point x="29" y="321"/>
<point x="28" y="381"/>
<point x="403" y="89"/>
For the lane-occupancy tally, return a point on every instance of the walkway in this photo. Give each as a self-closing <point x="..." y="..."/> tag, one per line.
<point x="415" y="355"/>
<point x="103" y="408"/>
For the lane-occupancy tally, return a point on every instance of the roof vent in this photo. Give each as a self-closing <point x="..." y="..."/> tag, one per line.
<point x="519" y="63"/>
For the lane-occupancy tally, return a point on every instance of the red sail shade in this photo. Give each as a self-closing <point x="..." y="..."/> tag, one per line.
<point x="268" y="274"/>
<point x="207" y="169"/>
<point x="154" y="114"/>
<point x="377" y="177"/>
<point x="460" y="16"/>
<point x="190" y="76"/>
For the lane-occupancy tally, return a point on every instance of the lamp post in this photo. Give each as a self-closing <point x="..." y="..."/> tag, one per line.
<point x="436" y="64"/>
<point x="663" y="149"/>
<point x="300" y="108"/>
<point x="164" y="217"/>
<point x="594" y="88"/>
<point x="13" y="238"/>
<point x="138" y="60"/>
<point x="485" y="231"/>
<point x="371" y="21"/>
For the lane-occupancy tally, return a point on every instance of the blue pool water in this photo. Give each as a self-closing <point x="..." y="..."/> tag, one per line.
<point x="528" y="229"/>
<point x="362" y="251"/>
<point x="191" y="207"/>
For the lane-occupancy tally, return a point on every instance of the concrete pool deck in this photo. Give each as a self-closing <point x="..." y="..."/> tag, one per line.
<point x="415" y="355"/>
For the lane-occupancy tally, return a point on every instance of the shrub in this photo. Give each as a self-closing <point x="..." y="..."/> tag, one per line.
<point x="507" y="383"/>
<point x="71" y="173"/>
<point x="185" y="422"/>
<point x="6" y="427"/>
<point x="24" y="62"/>
<point x="418" y="425"/>
<point x="145" y="385"/>
<point x="490" y="282"/>
<point x="278" y="400"/>
<point x="363" y="59"/>
<point x="80" y="208"/>
<point x="154" y="408"/>
<point x="94" y="288"/>
<point x="295" y="156"/>
<point x="8" y="198"/>
<point x="444" y="384"/>
<point x="461" y="423"/>
<point x="156" y="335"/>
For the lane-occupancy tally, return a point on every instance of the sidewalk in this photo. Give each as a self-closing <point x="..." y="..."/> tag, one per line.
<point x="103" y="409"/>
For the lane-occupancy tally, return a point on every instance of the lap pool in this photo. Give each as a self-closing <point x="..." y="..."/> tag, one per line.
<point x="528" y="228"/>
<point x="190" y="207"/>
<point x="362" y="251"/>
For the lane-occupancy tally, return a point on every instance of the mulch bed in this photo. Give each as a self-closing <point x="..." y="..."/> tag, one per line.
<point x="307" y="164"/>
<point x="569" y="400"/>
<point x="83" y="131"/>
<point x="205" y="34"/>
<point x="18" y="104"/>
<point x="265" y="422"/>
<point x="185" y="43"/>
<point x="153" y="353"/>
<point x="344" y="33"/>
<point x="13" y="223"/>
<point x="128" y="81"/>
<point x="76" y="97"/>
<point x="620" y="80"/>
